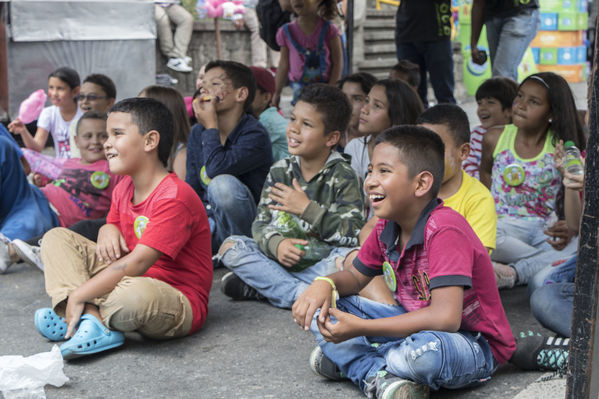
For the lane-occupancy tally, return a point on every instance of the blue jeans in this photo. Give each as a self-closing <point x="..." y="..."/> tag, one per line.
<point x="552" y="296"/>
<point x="552" y="305"/>
<point x="24" y="210"/>
<point x="521" y="243"/>
<point x="509" y="38"/>
<point x="270" y="278"/>
<point x="433" y="358"/>
<point x="436" y="58"/>
<point x="233" y="209"/>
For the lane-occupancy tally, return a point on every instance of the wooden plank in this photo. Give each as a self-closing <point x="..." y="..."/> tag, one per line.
<point x="583" y="365"/>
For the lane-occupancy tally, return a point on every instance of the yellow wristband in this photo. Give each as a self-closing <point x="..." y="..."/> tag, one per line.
<point x="334" y="293"/>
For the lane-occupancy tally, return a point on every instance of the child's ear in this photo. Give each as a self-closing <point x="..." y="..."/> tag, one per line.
<point x="464" y="151"/>
<point x="242" y="94"/>
<point x="75" y="91"/>
<point x="424" y="182"/>
<point x="76" y="137"/>
<point x="333" y="138"/>
<point x="151" y="140"/>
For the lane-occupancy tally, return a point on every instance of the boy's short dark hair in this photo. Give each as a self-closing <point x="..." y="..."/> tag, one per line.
<point x="90" y="115"/>
<point x="411" y="70"/>
<point x="450" y="115"/>
<point x="149" y="114"/>
<point x="501" y="88"/>
<point x="240" y="75"/>
<point x="104" y="82"/>
<point x="421" y="150"/>
<point x="364" y="79"/>
<point x="331" y="103"/>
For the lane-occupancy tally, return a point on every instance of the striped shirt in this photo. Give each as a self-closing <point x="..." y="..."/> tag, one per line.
<point x="472" y="164"/>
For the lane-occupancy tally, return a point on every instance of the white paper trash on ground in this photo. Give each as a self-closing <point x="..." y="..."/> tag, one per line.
<point x="25" y="377"/>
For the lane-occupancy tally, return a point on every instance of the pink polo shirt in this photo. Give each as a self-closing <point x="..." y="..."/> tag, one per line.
<point x="442" y="251"/>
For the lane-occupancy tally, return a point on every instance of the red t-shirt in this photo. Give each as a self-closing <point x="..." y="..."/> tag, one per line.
<point x="442" y="251"/>
<point x="83" y="191"/>
<point x="171" y="220"/>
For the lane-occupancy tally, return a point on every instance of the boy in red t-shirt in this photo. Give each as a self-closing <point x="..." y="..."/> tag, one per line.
<point x="151" y="270"/>
<point x="449" y="329"/>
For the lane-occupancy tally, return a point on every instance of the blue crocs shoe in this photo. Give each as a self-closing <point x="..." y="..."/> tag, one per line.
<point x="49" y="324"/>
<point x="91" y="337"/>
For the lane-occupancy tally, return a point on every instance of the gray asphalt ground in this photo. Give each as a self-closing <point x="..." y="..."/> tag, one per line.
<point x="246" y="349"/>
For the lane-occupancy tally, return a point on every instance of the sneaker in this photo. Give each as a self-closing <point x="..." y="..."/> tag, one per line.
<point x="187" y="60"/>
<point x="29" y="254"/>
<point x="323" y="366"/>
<point x="179" y="65"/>
<point x="536" y="352"/>
<point x="233" y="287"/>
<point x="4" y="257"/>
<point x="388" y="386"/>
<point x="504" y="275"/>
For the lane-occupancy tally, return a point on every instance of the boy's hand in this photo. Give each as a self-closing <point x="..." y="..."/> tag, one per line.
<point x="73" y="313"/>
<point x="291" y="199"/>
<point x="345" y="328"/>
<point x="559" y="235"/>
<point x="205" y="111"/>
<point x="111" y="244"/>
<point x="317" y="295"/>
<point x="16" y="126"/>
<point x="287" y="252"/>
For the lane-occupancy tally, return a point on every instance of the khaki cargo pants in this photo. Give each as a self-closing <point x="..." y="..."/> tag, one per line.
<point x="146" y="305"/>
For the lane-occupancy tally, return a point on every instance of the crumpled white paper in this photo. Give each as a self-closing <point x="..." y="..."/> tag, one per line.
<point x="25" y="377"/>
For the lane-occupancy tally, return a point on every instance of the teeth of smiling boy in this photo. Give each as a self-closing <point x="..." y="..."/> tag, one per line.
<point x="374" y="197"/>
<point x="293" y="141"/>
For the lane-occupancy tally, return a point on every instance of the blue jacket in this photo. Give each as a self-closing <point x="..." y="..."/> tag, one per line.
<point x="247" y="155"/>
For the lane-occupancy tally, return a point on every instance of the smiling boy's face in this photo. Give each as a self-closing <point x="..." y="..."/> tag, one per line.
<point x="491" y="113"/>
<point x="388" y="184"/>
<point x="90" y="139"/>
<point x="124" y="147"/>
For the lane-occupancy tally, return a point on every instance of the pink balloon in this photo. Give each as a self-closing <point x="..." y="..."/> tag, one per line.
<point x="32" y="106"/>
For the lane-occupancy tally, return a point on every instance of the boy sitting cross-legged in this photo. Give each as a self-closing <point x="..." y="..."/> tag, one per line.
<point x="151" y="270"/>
<point x="310" y="212"/>
<point x="229" y="152"/>
<point x="449" y="328"/>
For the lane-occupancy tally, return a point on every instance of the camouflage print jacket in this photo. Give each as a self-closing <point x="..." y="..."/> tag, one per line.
<point x="334" y="216"/>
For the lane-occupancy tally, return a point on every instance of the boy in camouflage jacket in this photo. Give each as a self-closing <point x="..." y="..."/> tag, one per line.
<point x="310" y="212"/>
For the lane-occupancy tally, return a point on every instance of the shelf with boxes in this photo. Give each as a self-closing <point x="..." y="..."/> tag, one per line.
<point x="560" y="45"/>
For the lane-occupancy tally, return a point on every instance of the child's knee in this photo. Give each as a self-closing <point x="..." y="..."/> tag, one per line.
<point x="420" y="357"/>
<point x="225" y="192"/>
<point x="235" y="248"/>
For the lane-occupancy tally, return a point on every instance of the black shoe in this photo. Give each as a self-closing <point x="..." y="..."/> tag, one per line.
<point x="233" y="287"/>
<point x="538" y="352"/>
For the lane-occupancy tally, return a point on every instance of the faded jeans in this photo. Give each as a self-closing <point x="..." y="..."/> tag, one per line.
<point x="433" y="358"/>
<point x="233" y="209"/>
<point x="552" y="295"/>
<point x="269" y="277"/>
<point x="509" y="38"/>
<point x="521" y="243"/>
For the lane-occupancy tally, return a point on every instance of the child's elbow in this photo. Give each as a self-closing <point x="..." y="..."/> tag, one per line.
<point x="450" y="323"/>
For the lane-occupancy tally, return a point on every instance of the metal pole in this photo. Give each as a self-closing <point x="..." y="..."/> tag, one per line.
<point x="349" y="18"/>
<point x="583" y="368"/>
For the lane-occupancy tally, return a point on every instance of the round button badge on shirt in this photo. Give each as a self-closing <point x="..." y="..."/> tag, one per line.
<point x="389" y="275"/>
<point x="514" y="174"/>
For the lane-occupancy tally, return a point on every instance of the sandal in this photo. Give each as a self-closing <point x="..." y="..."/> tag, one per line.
<point x="49" y="324"/>
<point x="91" y="337"/>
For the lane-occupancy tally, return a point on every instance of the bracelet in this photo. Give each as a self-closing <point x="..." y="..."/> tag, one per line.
<point x="334" y="293"/>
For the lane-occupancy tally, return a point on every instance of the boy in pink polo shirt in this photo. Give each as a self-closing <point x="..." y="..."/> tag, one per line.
<point x="449" y="329"/>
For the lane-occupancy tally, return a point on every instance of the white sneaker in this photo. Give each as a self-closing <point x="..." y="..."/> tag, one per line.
<point x="187" y="60"/>
<point x="29" y="254"/>
<point x="4" y="256"/>
<point x="179" y="65"/>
